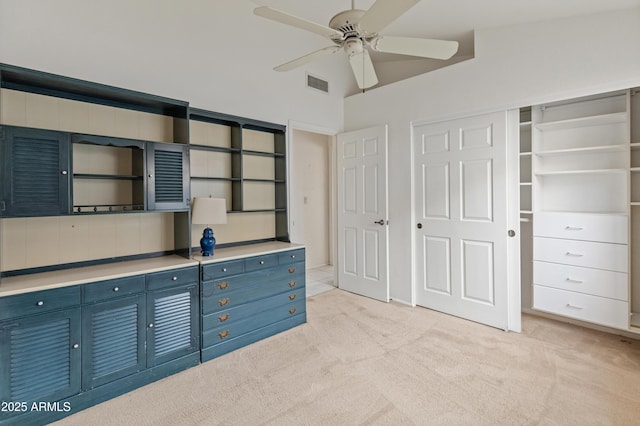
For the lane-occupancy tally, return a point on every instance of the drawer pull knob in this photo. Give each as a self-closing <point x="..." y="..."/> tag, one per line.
<point x="174" y="279"/>
<point x="223" y="285"/>
<point x="573" y="228"/>
<point x="292" y="284"/>
<point x="292" y="311"/>
<point x="223" y="318"/>
<point x="224" y="269"/>
<point x="570" y="280"/>
<point x="292" y="270"/>
<point x="116" y="289"/>
<point x="39" y="303"/>
<point x="223" y="302"/>
<point x="150" y="325"/>
<point x="293" y="256"/>
<point x="75" y="346"/>
<point x="292" y="296"/>
<point x="574" y="254"/>
<point x="223" y="334"/>
<point x="262" y="262"/>
<point x="569" y="305"/>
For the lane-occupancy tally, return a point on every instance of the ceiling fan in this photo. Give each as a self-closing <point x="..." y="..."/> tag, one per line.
<point x="356" y="30"/>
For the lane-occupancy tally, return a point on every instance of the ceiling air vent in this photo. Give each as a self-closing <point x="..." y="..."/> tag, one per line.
<point x="317" y="83"/>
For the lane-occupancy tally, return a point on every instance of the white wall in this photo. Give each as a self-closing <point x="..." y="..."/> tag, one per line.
<point x="215" y="54"/>
<point x="514" y="67"/>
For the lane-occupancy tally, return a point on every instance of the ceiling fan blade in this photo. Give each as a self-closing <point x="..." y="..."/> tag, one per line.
<point x="285" y="18"/>
<point x="363" y="69"/>
<point x="424" y="47"/>
<point x="384" y="12"/>
<point x="307" y="58"/>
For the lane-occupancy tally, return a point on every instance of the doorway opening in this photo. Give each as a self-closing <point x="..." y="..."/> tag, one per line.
<point x="311" y="205"/>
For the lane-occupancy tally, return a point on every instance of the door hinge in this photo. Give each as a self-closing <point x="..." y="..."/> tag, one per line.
<point x="2" y="206"/>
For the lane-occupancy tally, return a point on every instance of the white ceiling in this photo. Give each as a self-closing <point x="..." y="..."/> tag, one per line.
<point x="441" y="19"/>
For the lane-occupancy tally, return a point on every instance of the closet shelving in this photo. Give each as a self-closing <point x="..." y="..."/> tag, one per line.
<point x="634" y="204"/>
<point x="526" y="209"/>
<point x="580" y="169"/>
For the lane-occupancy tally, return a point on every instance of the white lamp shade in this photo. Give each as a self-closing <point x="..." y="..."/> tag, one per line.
<point x="209" y="211"/>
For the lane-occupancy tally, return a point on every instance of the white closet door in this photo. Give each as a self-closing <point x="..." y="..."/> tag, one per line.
<point x="461" y="216"/>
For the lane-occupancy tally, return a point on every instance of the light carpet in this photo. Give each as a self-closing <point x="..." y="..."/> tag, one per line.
<point x="362" y="362"/>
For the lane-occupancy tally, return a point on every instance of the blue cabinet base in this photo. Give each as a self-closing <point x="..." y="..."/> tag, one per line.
<point x="105" y="392"/>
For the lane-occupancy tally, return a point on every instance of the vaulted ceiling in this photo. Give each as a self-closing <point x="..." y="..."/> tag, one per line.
<point x="440" y="19"/>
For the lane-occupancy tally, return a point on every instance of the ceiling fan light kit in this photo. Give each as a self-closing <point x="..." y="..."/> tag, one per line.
<point x="355" y="31"/>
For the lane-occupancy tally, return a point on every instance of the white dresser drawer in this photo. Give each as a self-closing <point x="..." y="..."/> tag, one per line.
<point x="582" y="226"/>
<point x="598" y="310"/>
<point x="612" y="257"/>
<point x="596" y="282"/>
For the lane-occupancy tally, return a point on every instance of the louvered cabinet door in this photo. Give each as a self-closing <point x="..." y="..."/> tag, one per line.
<point x="172" y="324"/>
<point x="40" y="357"/>
<point x="113" y="336"/>
<point x="168" y="176"/>
<point x="35" y="177"/>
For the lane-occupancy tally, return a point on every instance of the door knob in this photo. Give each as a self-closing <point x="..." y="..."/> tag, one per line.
<point x="511" y="233"/>
<point x="379" y="222"/>
<point x="419" y="226"/>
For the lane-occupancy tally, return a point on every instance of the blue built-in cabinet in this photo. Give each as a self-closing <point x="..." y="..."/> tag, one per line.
<point x="78" y="345"/>
<point x="77" y="334"/>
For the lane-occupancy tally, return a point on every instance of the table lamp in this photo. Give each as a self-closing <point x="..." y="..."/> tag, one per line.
<point x="208" y="211"/>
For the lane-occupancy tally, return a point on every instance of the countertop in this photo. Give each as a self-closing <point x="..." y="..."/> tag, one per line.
<point x="86" y="274"/>
<point x="231" y="253"/>
<point x="108" y="271"/>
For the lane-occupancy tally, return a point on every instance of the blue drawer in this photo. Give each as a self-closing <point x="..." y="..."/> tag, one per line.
<point x="222" y="269"/>
<point x="39" y="301"/>
<point x="293" y="256"/>
<point x="260" y="262"/>
<point x="239" y="313"/>
<point x="174" y="277"/>
<point x="237" y="282"/>
<point x="111" y="289"/>
<point x="214" y="301"/>
<point x="232" y="344"/>
<point x="238" y="328"/>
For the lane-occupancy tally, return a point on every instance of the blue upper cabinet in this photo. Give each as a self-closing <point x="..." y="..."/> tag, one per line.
<point x="168" y="176"/>
<point x="35" y="172"/>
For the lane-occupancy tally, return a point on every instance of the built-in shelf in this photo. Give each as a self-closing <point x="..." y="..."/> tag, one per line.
<point x="594" y="120"/>
<point x="214" y="148"/>
<point x="103" y="176"/>
<point x="525" y="154"/>
<point x="108" y="208"/>
<point x="525" y="184"/>
<point x="578" y="172"/>
<point x="587" y="150"/>
<point x="226" y="179"/>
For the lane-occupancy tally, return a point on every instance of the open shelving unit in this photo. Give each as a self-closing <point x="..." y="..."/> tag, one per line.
<point x="243" y="161"/>
<point x="108" y="174"/>
<point x="582" y="181"/>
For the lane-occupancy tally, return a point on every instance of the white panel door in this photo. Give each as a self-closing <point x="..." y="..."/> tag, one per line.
<point x="362" y="212"/>
<point x="461" y="217"/>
